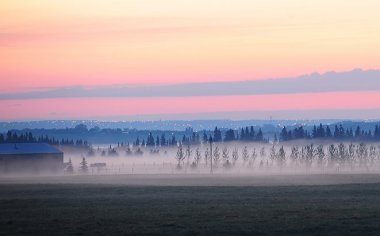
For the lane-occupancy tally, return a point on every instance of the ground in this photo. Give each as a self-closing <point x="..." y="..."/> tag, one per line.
<point x="189" y="205"/>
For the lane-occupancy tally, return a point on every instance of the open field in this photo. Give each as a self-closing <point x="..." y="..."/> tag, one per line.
<point x="191" y="205"/>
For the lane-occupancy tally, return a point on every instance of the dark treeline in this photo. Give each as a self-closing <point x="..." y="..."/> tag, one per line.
<point x="249" y="134"/>
<point x="246" y="134"/>
<point x="159" y="140"/>
<point x="325" y="132"/>
<point x="79" y="134"/>
<point x="13" y="137"/>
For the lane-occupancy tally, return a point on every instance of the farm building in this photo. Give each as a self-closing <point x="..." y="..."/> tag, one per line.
<point x="30" y="158"/>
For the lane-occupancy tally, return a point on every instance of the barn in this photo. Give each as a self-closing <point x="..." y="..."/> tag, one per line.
<point x="30" y="158"/>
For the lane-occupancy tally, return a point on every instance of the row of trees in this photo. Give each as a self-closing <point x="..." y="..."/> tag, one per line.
<point x="158" y="141"/>
<point x="349" y="156"/>
<point x="13" y="137"/>
<point x="325" y="132"/>
<point x="247" y="134"/>
<point x="83" y="167"/>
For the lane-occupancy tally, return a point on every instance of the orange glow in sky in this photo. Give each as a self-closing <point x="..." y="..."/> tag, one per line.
<point x="63" y="43"/>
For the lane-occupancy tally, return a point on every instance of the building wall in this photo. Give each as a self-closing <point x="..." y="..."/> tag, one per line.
<point x="31" y="163"/>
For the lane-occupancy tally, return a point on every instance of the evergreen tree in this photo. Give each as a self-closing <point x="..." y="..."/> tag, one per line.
<point x="70" y="168"/>
<point x="252" y="133"/>
<point x="336" y="132"/>
<point x="242" y="134"/>
<point x="157" y="141"/>
<point x="321" y="133"/>
<point x="83" y="166"/>
<point x="150" y="140"/>
<point x="174" y="141"/>
<point x="358" y="132"/>
<point x="246" y="133"/>
<point x="204" y="138"/>
<point x="314" y="133"/>
<point x="376" y="134"/>
<point x="328" y="132"/>
<point x="299" y="133"/>
<point x="9" y="137"/>
<point x="284" y="134"/>
<point x="341" y="131"/>
<point x="163" y="139"/>
<point x="229" y="135"/>
<point x="217" y="135"/>
<point x="184" y="139"/>
<point x="260" y="136"/>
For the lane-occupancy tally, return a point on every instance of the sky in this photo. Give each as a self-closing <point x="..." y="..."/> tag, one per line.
<point x="147" y="44"/>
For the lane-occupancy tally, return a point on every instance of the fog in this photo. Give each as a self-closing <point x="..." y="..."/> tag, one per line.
<point x="233" y="163"/>
<point x="230" y="158"/>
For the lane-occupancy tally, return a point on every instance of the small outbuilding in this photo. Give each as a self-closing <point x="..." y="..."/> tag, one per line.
<point x="30" y="158"/>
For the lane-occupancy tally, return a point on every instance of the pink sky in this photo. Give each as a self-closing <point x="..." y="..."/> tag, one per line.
<point x="89" y="43"/>
<point x="101" y="108"/>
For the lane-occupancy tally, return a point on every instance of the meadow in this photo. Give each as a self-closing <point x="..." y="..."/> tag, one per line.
<point x="336" y="204"/>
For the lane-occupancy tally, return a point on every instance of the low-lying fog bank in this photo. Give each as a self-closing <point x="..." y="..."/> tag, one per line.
<point x="221" y="159"/>
<point x="227" y="158"/>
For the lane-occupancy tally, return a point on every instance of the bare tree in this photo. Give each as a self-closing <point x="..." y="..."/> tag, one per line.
<point x="351" y="155"/>
<point x="226" y="158"/>
<point x="310" y="154"/>
<point x="225" y="154"/>
<point x="245" y="154"/>
<point x="272" y="154"/>
<point x="207" y="156"/>
<point x="253" y="157"/>
<point x="294" y="155"/>
<point x="281" y="157"/>
<point x="188" y="153"/>
<point x="235" y="155"/>
<point x="333" y="155"/>
<point x="198" y="156"/>
<point x="372" y="154"/>
<point x="321" y="155"/>
<point x="302" y="157"/>
<point x="362" y="152"/>
<point x="216" y="156"/>
<point x="180" y="156"/>
<point x="262" y="152"/>
<point x="343" y="153"/>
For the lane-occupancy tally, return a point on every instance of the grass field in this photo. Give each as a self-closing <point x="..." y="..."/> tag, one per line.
<point x="212" y="209"/>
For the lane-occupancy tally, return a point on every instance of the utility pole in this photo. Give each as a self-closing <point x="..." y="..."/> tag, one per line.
<point x="210" y="140"/>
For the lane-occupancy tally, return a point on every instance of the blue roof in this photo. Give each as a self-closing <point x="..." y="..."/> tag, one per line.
<point x="27" y="148"/>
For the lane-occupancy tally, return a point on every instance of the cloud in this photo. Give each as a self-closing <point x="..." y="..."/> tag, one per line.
<point x="356" y="80"/>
